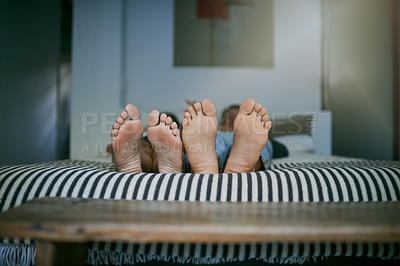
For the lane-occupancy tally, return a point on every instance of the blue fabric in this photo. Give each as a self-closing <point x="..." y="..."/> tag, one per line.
<point x="267" y="155"/>
<point x="223" y="147"/>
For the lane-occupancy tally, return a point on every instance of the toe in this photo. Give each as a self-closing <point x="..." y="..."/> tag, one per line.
<point x="168" y="121"/>
<point x="174" y="125"/>
<point x="132" y="111"/>
<point x="265" y="118"/>
<point x="209" y="108"/>
<point x="153" y="118"/>
<point x="114" y="132"/>
<point x="116" y="125"/>
<point x="120" y="120"/>
<point x="163" y="117"/>
<point x="197" y="107"/>
<point x="185" y="122"/>
<point x="175" y="132"/>
<point x="191" y="111"/>
<point x="124" y="115"/>
<point x="187" y="115"/>
<point x="247" y="106"/>
<point x="262" y="112"/>
<point x="257" y="107"/>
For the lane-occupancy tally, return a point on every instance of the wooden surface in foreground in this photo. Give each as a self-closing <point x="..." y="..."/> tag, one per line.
<point x="82" y="220"/>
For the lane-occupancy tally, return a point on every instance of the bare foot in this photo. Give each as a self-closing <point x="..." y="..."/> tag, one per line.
<point x="199" y="133"/>
<point x="126" y="135"/>
<point x="250" y="134"/>
<point x="164" y="137"/>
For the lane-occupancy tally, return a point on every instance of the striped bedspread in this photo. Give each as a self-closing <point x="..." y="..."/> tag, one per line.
<point x="344" y="180"/>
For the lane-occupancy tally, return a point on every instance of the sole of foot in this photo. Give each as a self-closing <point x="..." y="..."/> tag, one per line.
<point x="126" y="135"/>
<point x="165" y="139"/>
<point x="199" y="133"/>
<point x="250" y="135"/>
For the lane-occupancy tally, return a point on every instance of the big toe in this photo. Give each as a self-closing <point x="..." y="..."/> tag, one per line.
<point x="153" y="118"/>
<point x="209" y="108"/>
<point x="132" y="111"/>
<point x="247" y="106"/>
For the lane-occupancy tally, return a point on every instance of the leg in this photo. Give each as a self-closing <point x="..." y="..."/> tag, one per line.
<point x="126" y="137"/>
<point x="250" y="131"/>
<point x="223" y="147"/>
<point x="259" y="166"/>
<point x="166" y="142"/>
<point x="147" y="157"/>
<point x="199" y="135"/>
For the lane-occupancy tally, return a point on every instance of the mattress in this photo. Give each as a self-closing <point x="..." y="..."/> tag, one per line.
<point x="303" y="177"/>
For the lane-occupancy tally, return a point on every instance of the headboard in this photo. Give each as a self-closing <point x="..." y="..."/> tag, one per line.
<point x="317" y="125"/>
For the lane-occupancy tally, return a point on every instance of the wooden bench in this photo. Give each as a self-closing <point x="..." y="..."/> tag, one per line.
<point x="66" y="225"/>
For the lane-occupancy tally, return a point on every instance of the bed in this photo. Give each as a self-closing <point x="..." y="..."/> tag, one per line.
<point x="303" y="176"/>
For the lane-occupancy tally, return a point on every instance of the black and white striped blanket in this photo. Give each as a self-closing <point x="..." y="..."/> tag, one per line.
<point x="348" y="180"/>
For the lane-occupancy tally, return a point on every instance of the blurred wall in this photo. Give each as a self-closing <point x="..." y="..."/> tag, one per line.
<point x="96" y="75"/>
<point x="358" y="76"/>
<point x="29" y="57"/>
<point x="292" y="84"/>
<point x="123" y="53"/>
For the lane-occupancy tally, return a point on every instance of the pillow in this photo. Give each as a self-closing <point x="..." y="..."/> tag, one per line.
<point x="300" y="143"/>
<point x="279" y="150"/>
